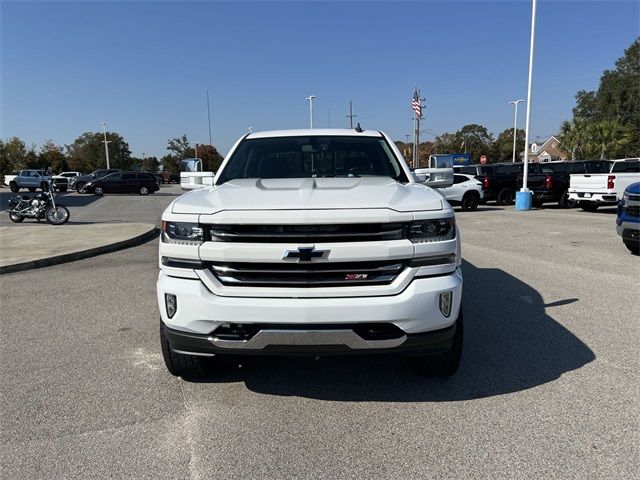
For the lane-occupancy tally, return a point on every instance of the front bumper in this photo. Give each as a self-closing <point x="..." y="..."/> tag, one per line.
<point x="629" y="231"/>
<point x="310" y="340"/>
<point x="413" y="310"/>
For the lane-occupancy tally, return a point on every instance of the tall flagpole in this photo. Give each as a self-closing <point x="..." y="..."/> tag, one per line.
<point x="524" y="197"/>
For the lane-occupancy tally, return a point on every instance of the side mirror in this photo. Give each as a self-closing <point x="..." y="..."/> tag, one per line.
<point x="435" y="177"/>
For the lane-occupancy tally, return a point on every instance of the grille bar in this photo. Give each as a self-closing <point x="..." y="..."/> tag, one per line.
<point x="226" y="269"/>
<point x="308" y="233"/>
<point x="307" y="275"/>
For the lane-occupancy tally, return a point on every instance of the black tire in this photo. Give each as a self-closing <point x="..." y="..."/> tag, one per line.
<point x="98" y="191"/>
<point x="13" y="186"/>
<point x="80" y="187"/>
<point x="143" y="190"/>
<point x="633" y="247"/>
<point x="565" y="202"/>
<point x="442" y="364"/>
<point x="470" y="201"/>
<point x="57" y="216"/>
<point x="189" y="367"/>
<point x="31" y="189"/>
<point x="588" y="206"/>
<point x="536" y="202"/>
<point x="16" y="217"/>
<point x="505" y="197"/>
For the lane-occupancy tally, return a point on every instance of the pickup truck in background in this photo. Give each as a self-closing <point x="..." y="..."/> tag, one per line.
<point x="32" y="179"/>
<point x="549" y="182"/>
<point x="500" y="181"/>
<point x="594" y="190"/>
<point x="628" y="218"/>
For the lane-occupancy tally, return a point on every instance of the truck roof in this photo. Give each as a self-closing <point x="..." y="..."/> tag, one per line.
<point x="315" y="132"/>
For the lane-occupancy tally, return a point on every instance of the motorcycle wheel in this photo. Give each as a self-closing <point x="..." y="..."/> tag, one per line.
<point x="16" y="217"/>
<point x="57" y="215"/>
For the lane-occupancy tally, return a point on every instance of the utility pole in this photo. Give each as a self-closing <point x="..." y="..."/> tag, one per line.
<point x="351" y="115"/>
<point x="416" y="104"/>
<point x="209" y="115"/>
<point x="106" y="142"/>
<point x="311" y="98"/>
<point x="515" y="126"/>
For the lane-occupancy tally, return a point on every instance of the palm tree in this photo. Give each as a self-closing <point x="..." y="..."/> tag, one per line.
<point x="573" y="135"/>
<point x="608" y="136"/>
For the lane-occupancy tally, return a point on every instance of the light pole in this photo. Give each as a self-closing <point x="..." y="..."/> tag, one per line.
<point x="311" y="98"/>
<point x="524" y="197"/>
<point x="515" y="125"/>
<point x="106" y="142"/>
<point x="142" y="166"/>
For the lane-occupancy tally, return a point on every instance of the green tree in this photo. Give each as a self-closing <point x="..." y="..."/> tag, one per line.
<point x="180" y="147"/>
<point x="585" y="105"/>
<point x="503" y="146"/>
<point x="150" y="164"/>
<point x="449" y="143"/>
<point x="574" y="137"/>
<point x="616" y="100"/>
<point x="608" y="137"/>
<point x="478" y="140"/>
<point x="52" y="156"/>
<point x="87" y="153"/>
<point x="170" y="163"/>
<point x="211" y="159"/>
<point x="13" y="155"/>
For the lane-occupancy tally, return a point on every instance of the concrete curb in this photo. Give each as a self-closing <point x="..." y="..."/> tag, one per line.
<point x="79" y="255"/>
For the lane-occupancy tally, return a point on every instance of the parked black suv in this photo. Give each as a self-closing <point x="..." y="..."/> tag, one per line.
<point x="124" y="182"/>
<point x="80" y="181"/>
<point x="549" y="182"/>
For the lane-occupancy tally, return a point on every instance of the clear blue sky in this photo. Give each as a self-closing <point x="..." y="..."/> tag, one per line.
<point x="144" y="67"/>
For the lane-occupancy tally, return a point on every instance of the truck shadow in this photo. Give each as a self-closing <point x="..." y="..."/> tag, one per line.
<point x="511" y="344"/>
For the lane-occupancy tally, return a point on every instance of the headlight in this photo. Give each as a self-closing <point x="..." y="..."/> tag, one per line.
<point x="625" y="197"/>
<point x="438" y="230"/>
<point x="182" y="233"/>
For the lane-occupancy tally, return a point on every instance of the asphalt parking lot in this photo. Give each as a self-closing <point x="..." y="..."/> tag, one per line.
<point x="548" y="386"/>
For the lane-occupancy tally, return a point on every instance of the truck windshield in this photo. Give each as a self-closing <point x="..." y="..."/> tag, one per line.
<point x="311" y="157"/>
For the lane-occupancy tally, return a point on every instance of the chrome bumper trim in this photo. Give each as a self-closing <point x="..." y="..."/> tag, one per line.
<point x="264" y="338"/>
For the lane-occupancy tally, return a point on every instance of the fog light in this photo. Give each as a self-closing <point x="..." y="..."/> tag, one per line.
<point x="172" y="304"/>
<point x="445" y="303"/>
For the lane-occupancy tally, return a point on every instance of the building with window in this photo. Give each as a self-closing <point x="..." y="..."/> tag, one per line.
<point x="548" y="151"/>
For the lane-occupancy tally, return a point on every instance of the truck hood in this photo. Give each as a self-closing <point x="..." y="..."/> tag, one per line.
<point x="309" y="194"/>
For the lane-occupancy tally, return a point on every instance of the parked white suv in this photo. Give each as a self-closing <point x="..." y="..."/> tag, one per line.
<point x="311" y="242"/>
<point x="466" y="191"/>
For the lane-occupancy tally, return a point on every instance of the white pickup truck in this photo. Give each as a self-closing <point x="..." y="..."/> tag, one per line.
<point x="591" y="191"/>
<point x="313" y="242"/>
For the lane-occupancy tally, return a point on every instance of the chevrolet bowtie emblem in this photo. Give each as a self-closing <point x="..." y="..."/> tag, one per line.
<point x="305" y="254"/>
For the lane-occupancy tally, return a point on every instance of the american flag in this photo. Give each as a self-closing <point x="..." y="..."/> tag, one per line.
<point x="415" y="104"/>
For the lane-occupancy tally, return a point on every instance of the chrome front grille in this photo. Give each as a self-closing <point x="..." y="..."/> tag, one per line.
<point x="359" y="232"/>
<point x="307" y="275"/>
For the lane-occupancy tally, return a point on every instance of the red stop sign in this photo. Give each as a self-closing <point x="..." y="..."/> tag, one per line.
<point x="483" y="159"/>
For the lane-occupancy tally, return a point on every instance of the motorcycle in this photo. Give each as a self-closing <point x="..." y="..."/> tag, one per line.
<point x="42" y="206"/>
